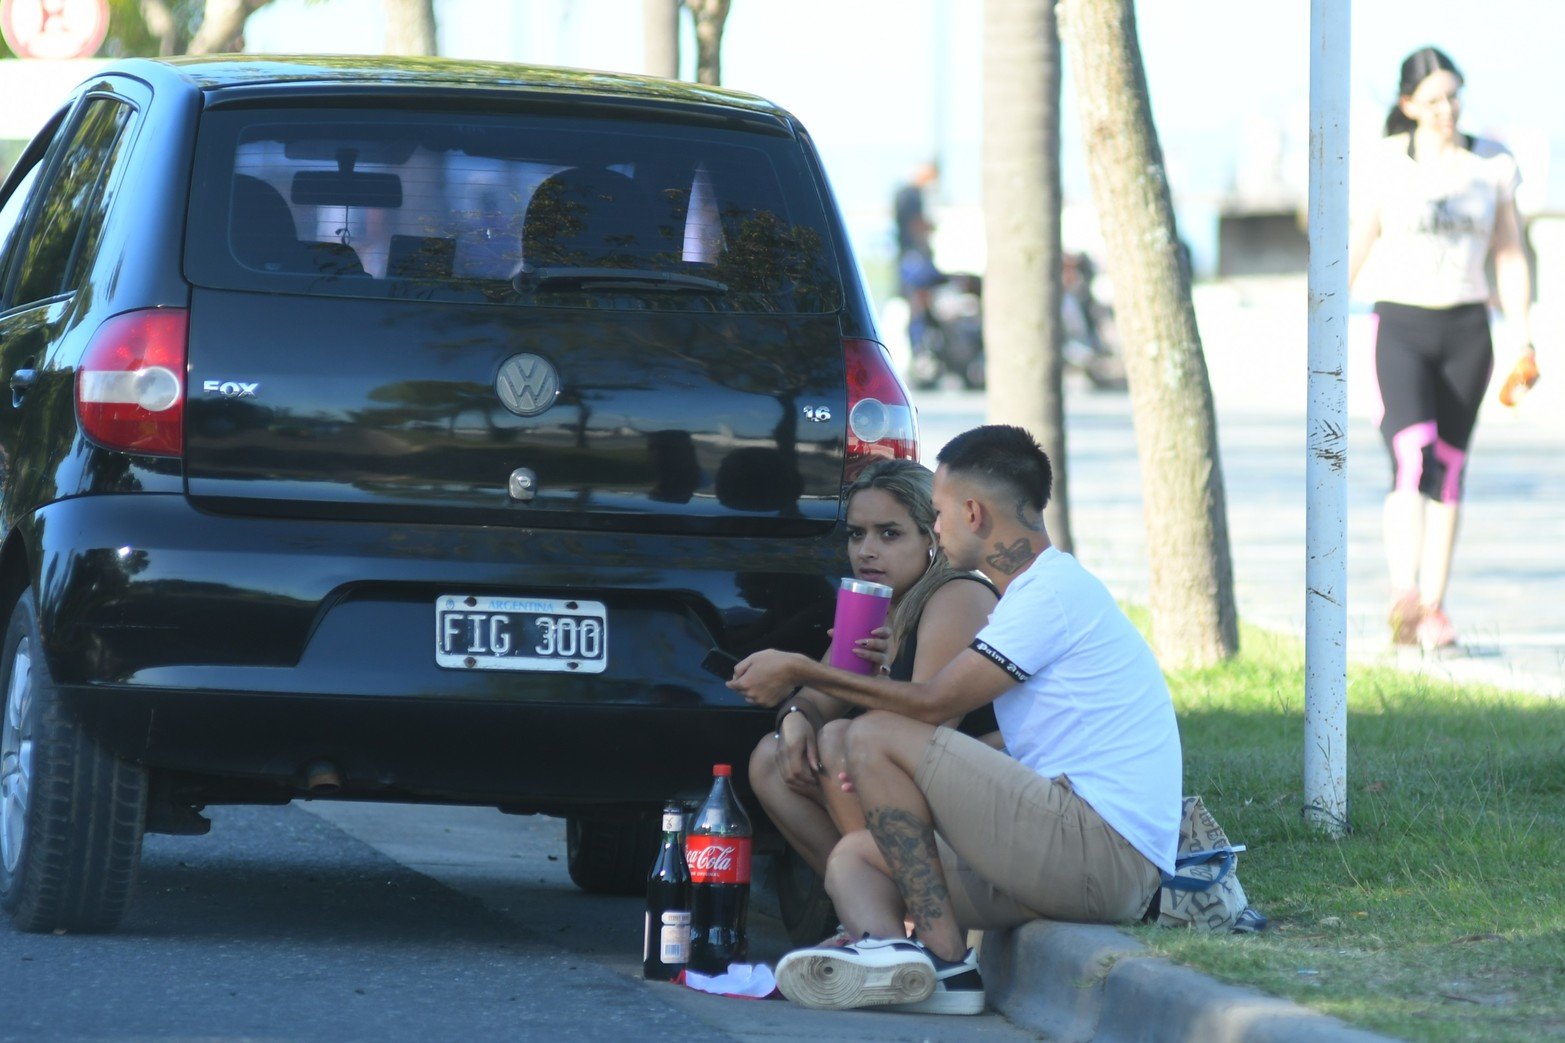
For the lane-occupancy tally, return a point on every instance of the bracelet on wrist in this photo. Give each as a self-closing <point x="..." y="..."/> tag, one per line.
<point x="790" y="705"/>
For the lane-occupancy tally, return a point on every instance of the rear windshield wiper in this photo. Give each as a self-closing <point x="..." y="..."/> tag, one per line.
<point x="617" y="279"/>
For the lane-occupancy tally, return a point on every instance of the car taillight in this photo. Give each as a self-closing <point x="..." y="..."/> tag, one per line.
<point x="130" y="387"/>
<point x="881" y="421"/>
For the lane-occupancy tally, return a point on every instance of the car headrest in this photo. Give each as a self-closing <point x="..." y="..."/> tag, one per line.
<point x="262" y="233"/>
<point x="590" y="216"/>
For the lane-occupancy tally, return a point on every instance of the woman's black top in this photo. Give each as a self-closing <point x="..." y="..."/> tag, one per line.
<point x="978" y="722"/>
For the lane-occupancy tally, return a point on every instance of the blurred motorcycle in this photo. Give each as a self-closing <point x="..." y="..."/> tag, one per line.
<point x="1090" y="345"/>
<point x="951" y="338"/>
<point x="946" y="328"/>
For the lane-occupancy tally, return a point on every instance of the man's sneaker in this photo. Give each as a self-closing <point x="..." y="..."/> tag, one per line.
<point x="959" y="988"/>
<point x="872" y="972"/>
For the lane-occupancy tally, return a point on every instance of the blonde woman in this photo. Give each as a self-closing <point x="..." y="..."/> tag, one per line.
<point x="935" y="613"/>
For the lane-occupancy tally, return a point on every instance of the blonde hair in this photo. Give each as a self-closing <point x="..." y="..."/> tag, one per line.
<point x="910" y="484"/>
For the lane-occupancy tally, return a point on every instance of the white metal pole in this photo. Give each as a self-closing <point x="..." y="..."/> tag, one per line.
<point x="1325" y="572"/>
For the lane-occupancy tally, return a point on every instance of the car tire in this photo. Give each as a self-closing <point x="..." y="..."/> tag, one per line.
<point x="611" y="855"/>
<point x="71" y="814"/>
<point x="807" y="913"/>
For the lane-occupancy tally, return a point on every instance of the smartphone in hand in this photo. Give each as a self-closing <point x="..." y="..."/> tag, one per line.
<point x="720" y="664"/>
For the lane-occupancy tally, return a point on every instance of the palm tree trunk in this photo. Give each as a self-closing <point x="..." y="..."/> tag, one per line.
<point x="1021" y="134"/>
<point x="709" y="17"/>
<point x="410" y="27"/>
<point x="1194" y="621"/>
<point x="222" y="25"/>
<point x="660" y="37"/>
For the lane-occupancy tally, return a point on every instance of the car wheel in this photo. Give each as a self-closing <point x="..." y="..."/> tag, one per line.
<point x="71" y="814"/>
<point x="611" y="855"/>
<point x="806" y="909"/>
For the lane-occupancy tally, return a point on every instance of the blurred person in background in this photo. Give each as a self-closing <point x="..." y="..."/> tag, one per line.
<point x="917" y="275"/>
<point x="1441" y="204"/>
<point x="910" y="208"/>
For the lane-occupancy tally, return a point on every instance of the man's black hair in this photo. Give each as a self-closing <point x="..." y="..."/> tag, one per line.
<point x="1002" y="454"/>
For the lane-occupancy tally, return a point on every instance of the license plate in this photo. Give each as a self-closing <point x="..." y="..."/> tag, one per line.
<point x="513" y="633"/>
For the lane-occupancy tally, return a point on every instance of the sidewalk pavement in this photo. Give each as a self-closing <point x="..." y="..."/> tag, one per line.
<point x="1076" y="982"/>
<point x="1507" y="598"/>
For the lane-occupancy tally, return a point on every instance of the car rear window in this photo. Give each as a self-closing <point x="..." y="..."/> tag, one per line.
<point x="522" y="209"/>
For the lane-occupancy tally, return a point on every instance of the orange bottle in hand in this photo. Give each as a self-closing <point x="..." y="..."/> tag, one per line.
<point x="1520" y="380"/>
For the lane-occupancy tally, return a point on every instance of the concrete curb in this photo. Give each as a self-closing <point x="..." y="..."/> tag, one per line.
<point x="1078" y="982"/>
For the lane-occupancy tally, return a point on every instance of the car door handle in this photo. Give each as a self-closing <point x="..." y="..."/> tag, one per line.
<point x="21" y="382"/>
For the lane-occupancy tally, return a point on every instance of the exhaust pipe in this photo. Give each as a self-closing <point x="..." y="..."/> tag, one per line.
<point x="322" y="779"/>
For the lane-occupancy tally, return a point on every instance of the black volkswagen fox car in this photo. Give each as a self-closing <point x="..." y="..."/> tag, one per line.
<point x="407" y="430"/>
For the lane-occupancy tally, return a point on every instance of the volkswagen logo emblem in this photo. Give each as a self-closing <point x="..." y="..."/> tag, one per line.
<point x="527" y="384"/>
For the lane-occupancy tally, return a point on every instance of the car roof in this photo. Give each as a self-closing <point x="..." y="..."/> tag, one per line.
<point x="216" y="73"/>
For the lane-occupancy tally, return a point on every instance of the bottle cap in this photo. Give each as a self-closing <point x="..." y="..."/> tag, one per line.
<point x="722" y="769"/>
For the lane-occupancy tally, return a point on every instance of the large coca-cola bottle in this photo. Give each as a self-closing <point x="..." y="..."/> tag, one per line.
<point x="718" y="853"/>
<point x="665" y="949"/>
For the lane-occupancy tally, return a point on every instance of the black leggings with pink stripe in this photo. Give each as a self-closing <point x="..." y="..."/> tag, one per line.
<point x="1433" y="366"/>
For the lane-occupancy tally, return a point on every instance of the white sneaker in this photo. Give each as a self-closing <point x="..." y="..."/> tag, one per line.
<point x="959" y="988"/>
<point x="872" y="972"/>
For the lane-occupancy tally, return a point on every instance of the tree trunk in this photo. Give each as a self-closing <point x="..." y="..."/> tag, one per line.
<point x="222" y="26"/>
<point x="709" y="17"/>
<point x="1193" y="617"/>
<point x="160" y="23"/>
<point x="660" y="37"/>
<point x="410" y="27"/>
<point x="1021" y="160"/>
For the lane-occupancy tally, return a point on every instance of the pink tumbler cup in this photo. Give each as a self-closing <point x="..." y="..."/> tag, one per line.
<point x="861" y="607"/>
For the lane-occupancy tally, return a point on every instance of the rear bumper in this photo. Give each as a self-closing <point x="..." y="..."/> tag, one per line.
<point x="551" y="758"/>
<point x="247" y="647"/>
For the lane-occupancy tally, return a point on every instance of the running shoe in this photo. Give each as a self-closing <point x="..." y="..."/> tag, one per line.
<point x="871" y="972"/>
<point x="1405" y="617"/>
<point x="1435" y="630"/>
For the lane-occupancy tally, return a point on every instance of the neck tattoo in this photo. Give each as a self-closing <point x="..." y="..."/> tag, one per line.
<point x="1011" y="559"/>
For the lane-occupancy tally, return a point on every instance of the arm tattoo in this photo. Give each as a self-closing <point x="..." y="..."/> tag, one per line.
<point x="908" y="843"/>
<point x="1011" y="560"/>
<point x="1021" y="516"/>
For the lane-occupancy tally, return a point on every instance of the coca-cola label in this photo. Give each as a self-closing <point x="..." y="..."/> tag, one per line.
<point x="718" y="860"/>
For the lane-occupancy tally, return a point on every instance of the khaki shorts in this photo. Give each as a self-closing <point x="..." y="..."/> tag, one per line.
<point x="1016" y="846"/>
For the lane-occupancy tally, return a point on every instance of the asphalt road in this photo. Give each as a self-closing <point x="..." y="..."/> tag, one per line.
<point x="387" y="922"/>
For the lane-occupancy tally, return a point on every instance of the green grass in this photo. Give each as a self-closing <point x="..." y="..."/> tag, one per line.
<point x="1441" y="916"/>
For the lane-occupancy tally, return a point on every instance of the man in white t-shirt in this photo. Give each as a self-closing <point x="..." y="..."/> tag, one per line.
<point x="1076" y="819"/>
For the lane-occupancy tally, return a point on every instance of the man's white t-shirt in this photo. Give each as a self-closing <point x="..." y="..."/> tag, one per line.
<point x="1437" y="221"/>
<point x="1091" y="703"/>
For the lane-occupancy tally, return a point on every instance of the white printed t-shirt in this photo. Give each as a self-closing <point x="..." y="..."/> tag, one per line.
<point x="1091" y="702"/>
<point x="1437" y="220"/>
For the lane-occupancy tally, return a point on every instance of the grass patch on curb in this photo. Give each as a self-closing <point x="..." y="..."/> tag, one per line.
<point x="1442" y="915"/>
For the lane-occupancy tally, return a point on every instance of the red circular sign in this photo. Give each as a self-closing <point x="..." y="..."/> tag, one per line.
<point x="54" y="28"/>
